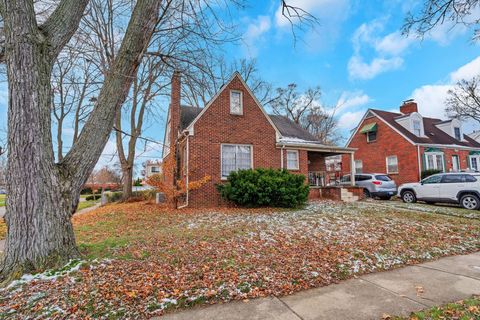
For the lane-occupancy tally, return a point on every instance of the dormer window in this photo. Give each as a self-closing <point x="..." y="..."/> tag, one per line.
<point x="417" y="128"/>
<point x="457" y="133"/>
<point x="236" y="105"/>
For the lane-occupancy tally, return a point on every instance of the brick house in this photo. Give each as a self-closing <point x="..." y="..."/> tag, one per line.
<point x="233" y="132"/>
<point x="405" y="144"/>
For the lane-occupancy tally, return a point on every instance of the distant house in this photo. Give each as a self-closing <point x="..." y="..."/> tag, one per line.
<point x="404" y="144"/>
<point x="151" y="168"/>
<point x="475" y="135"/>
<point x="234" y="132"/>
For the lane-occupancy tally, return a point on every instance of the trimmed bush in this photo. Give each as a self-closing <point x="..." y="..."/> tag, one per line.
<point x="113" y="196"/>
<point x="265" y="187"/>
<point x="428" y="173"/>
<point x="93" y="197"/>
<point x="86" y="190"/>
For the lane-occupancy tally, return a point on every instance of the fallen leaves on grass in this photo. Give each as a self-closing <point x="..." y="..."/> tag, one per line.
<point x="146" y="259"/>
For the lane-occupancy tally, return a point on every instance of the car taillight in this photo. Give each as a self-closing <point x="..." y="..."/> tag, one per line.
<point x="377" y="183"/>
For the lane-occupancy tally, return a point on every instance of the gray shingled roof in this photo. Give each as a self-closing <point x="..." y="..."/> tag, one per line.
<point x="290" y="129"/>
<point x="286" y="127"/>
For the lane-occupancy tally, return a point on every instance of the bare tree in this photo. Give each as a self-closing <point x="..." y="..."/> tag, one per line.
<point x="207" y="81"/>
<point x="307" y="110"/>
<point x="294" y="105"/>
<point x="44" y="194"/>
<point x="438" y="12"/>
<point x="463" y="101"/>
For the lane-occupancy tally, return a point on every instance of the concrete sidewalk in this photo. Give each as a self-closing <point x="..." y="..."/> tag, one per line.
<point x="396" y="292"/>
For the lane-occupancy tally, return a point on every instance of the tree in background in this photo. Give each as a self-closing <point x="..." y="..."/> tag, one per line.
<point x="40" y="232"/>
<point x="306" y="110"/>
<point x="437" y="12"/>
<point x="463" y="100"/>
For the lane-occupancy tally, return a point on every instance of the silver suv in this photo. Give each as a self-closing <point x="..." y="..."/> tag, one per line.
<point x="375" y="185"/>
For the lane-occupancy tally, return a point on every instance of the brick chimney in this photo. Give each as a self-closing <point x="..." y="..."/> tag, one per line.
<point x="409" y="106"/>
<point x="175" y="106"/>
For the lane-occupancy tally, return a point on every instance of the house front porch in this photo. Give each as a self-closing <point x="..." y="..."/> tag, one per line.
<point x="325" y="174"/>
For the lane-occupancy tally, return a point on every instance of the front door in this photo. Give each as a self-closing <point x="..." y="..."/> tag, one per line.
<point x="455" y="163"/>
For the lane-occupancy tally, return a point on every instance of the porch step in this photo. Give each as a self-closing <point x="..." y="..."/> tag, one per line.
<point x="347" y="196"/>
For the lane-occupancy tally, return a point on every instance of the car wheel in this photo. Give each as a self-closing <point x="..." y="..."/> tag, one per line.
<point x="366" y="193"/>
<point x="470" y="202"/>
<point x="409" y="197"/>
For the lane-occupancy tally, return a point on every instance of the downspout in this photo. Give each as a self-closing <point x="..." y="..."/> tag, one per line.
<point x="419" y="163"/>
<point x="187" y="174"/>
<point x="281" y="157"/>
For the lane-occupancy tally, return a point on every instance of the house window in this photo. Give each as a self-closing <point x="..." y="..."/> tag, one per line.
<point x="292" y="160"/>
<point x="417" y="128"/>
<point x="474" y="162"/>
<point x="371" y="136"/>
<point x="155" y="169"/>
<point x="458" y="135"/>
<point x="235" y="157"/>
<point x="358" y="166"/>
<point x="236" y="106"/>
<point x="392" y="164"/>
<point x="434" y="161"/>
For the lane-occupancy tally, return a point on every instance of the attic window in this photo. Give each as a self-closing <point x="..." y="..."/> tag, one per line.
<point x="236" y="106"/>
<point x="457" y="133"/>
<point x="417" y="128"/>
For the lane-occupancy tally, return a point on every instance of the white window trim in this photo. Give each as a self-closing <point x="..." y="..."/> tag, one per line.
<point x="298" y="160"/>
<point x="470" y="162"/>
<point x="386" y="161"/>
<point x="441" y="154"/>
<point x="241" y="103"/>
<point x="234" y="144"/>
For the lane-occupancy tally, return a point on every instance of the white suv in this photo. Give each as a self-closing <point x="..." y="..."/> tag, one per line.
<point x="462" y="188"/>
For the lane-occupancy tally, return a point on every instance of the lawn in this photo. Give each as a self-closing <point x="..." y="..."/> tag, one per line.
<point x="143" y="260"/>
<point x="86" y="204"/>
<point x="2" y="200"/>
<point x="466" y="309"/>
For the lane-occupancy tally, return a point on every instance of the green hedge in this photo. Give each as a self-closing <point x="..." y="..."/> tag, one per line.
<point x="93" y="197"/>
<point x="428" y="173"/>
<point x="265" y="187"/>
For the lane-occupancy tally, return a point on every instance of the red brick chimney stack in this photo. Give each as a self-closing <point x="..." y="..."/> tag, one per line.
<point x="175" y="105"/>
<point x="409" y="106"/>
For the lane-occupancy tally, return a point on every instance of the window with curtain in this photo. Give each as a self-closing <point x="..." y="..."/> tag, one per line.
<point x="434" y="161"/>
<point x="358" y="166"/>
<point x="392" y="164"/>
<point x="292" y="160"/>
<point x="235" y="157"/>
<point x="457" y="132"/>
<point x="236" y="102"/>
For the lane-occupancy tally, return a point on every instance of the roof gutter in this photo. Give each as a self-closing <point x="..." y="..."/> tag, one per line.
<point x="315" y="147"/>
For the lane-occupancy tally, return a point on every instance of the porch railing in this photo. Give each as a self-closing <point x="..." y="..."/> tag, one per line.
<point x="326" y="179"/>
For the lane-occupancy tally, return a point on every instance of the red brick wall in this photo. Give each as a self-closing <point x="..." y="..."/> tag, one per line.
<point x="388" y="143"/>
<point x="462" y="155"/>
<point x="217" y="126"/>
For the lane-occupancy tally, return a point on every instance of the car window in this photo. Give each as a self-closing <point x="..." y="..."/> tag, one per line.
<point x="453" y="178"/>
<point x="432" y="179"/>
<point x="362" y="177"/>
<point x="469" y="178"/>
<point x="383" y="177"/>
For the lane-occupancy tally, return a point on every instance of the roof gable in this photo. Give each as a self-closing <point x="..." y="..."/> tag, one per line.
<point x="236" y="75"/>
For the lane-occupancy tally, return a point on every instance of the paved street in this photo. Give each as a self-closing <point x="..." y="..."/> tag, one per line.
<point x="396" y="292"/>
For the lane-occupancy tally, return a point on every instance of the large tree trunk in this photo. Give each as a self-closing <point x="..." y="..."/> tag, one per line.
<point x="127" y="182"/>
<point x="43" y="195"/>
<point x="40" y="203"/>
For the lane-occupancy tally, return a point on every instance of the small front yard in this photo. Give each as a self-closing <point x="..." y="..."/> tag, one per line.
<point x="467" y="309"/>
<point x="2" y="200"/>
<point x="142" y="260"/>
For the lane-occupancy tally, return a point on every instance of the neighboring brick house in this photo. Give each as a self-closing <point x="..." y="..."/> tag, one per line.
<point x="152" y="167"/>
<point x="405" y="144"/>
<point x="233" y="132"/>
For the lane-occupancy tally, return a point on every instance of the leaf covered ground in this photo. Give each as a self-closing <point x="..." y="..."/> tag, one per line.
<point x="142" y="260"/>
